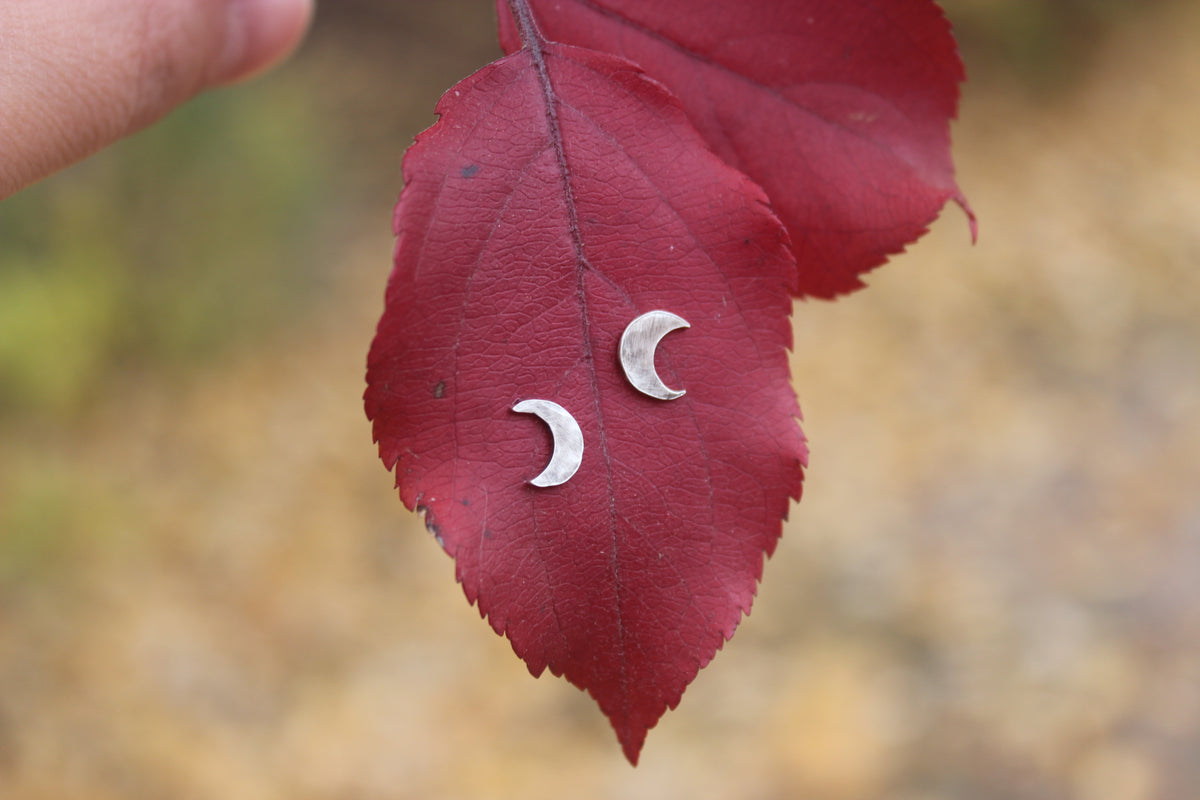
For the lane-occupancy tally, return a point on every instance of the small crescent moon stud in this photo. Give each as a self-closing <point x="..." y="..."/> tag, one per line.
<point x="568" y="441"/>
<point x="638" y="345"/>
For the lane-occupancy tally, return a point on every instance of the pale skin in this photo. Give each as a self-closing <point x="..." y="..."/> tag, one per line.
<point x="77" y="75"/>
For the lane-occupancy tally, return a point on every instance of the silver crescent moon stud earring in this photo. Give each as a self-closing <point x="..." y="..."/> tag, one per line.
<point x="568" y="441"/>
<point x="638" y="345"/>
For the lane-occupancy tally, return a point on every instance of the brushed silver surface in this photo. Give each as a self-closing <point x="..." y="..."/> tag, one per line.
<point x="568" y="441"/>
<point x="639" y="342"/>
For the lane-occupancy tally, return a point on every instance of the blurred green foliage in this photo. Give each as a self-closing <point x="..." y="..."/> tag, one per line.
<point x="50" y="517"/>
<point x="165" y="250"/>
<point x="1042" y="43"/>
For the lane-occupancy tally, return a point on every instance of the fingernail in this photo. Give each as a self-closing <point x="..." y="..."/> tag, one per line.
<point x="259" y="34"/>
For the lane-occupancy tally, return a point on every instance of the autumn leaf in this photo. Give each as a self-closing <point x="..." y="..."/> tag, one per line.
<point x="561" y="195"/>
<point x="839" y="110"/>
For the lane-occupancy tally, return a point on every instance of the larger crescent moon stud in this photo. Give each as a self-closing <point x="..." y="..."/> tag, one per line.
<point x="568" y="441"/>
<point x="638" y="345"/>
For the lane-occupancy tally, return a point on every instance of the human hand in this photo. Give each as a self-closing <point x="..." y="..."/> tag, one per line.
<point x="76" y="75"/>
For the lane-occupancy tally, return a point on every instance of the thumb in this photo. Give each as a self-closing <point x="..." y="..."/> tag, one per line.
<point x="76" y="75"/>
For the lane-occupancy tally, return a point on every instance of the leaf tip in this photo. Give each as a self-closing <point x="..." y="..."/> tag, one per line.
<point x="631" y="741"/>
<point x="972" y="220"/>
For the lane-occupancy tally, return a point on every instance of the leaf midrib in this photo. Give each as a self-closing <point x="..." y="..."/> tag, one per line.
<point x="532" y="39"/>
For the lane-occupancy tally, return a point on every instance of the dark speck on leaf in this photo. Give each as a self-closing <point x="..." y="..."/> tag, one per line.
<point x="487" y="533"/>
<point x="465" y="502"/>
<point x="469" y="170"/>
<point x="439" y="390"/>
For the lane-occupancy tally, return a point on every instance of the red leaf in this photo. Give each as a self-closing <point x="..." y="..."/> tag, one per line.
<point x="839" y="110"/>
<point x="557" y="199"/>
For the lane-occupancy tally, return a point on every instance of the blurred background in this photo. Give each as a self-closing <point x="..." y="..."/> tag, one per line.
<point x="208" y="588"/>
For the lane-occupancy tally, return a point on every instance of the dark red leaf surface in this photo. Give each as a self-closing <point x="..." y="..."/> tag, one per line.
<point x="557" y="199"/>
<point x="839" y="109"/>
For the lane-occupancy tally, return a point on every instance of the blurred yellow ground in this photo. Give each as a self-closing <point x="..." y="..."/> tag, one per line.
<point x="990" y="590"/>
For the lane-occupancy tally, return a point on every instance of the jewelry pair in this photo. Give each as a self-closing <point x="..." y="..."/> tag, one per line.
<point x="638" y="345"/>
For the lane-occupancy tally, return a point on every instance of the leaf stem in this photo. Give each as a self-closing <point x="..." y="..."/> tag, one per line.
<point x="534" y="42"/>
<point x="531" y="35"/>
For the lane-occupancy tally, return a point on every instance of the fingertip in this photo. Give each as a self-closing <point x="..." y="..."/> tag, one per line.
<point x="261" y="33"/>
<point x="75" y="76"/>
